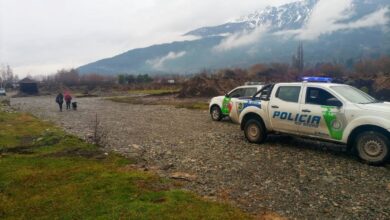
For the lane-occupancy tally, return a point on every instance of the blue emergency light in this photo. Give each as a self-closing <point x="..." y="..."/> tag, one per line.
<point x="317" y="79"/>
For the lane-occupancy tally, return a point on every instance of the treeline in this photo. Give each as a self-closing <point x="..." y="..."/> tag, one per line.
<point x="370" y="75"/>
<point x="365" y="68"/>
<point x="7" y="77"/>
<point x="72" y="78"/>
<point x="124" y="79"/>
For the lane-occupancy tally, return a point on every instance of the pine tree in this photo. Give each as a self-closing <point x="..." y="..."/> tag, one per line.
<point x="298" y="59"/>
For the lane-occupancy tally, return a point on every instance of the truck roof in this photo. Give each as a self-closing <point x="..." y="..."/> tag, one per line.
<point x="311" y="84"/>
<point x="249" y="86"/>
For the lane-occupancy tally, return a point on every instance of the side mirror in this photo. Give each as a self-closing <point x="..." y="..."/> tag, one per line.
<point x="227" y="95"/>
<point x="334" y="102"/>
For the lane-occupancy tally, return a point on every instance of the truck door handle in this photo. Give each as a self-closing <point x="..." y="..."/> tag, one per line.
<point x="275" y="106"/>
<point x="306" y="110"/>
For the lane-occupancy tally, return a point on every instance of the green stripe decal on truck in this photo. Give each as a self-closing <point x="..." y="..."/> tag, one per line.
<point x="225" y="106"/>
<point x="334" y="123"/>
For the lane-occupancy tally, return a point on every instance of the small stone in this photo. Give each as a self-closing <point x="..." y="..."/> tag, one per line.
<point x="136" y="146"/>
<point x="167" y="167"/>
<point x="183" y="176"/>
<point x="329" y="179"/>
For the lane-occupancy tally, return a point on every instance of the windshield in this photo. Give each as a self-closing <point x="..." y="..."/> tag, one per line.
<point x="354" y="95"/>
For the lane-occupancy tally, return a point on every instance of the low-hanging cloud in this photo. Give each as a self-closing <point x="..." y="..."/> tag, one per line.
<point x="158" y="63"/>
<point x="328" y="16"/>
<point x="241" y="39"/>
<point x="376" y="18"/>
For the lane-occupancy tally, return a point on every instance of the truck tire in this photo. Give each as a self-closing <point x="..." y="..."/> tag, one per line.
<point x="255" y="131"/>
<point x="372" y="147"/>
<point x="216" y="113"/>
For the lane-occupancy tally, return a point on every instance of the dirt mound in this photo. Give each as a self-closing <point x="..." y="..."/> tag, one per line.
<point x="382" y="87"/>
<point x="200" y="86"/>
<point x="208" y="86"/>
<point x="377" y="86"/>
<point x="382" y="82"/>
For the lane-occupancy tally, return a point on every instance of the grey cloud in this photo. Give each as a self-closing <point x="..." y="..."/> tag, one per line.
<point x="328" y="16"/>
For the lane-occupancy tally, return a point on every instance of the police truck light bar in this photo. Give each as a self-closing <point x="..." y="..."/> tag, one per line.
<point x="317" y="79"/>
<point x="253" y="83"/>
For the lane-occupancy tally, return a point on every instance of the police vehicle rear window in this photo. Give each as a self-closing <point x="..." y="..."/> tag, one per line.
<point x="250" y="91"/>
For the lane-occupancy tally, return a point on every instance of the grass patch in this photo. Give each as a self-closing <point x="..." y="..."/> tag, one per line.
<point x="165" y="91"/>
<point x="198" y="105"/>
<point x="63" y="177"/>
<point x="78" y="95"/>
<point x="193" y="105"/>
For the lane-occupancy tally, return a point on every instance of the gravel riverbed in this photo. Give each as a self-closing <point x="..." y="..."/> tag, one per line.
<point x="294" y="177"/>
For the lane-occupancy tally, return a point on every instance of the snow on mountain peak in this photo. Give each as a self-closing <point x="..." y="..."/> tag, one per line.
<point x="291" y="15"/>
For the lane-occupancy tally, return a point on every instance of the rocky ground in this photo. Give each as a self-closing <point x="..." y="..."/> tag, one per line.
<point x="293" y="177"/>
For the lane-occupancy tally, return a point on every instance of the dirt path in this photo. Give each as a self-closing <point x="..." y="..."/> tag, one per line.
<point x="295" y="178"/>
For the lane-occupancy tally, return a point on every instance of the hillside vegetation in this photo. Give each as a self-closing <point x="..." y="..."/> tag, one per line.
<point x="371" y="76"/>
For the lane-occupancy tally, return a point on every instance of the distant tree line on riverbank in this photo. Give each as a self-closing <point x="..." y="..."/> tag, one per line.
<point x="7" y="77"/>
<point x="124" y="79"/>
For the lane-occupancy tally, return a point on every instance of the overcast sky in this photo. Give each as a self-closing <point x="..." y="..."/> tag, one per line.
<point x="41" y="36"/>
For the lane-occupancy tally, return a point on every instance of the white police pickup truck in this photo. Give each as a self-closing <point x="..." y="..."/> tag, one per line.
<point x="319" y="109"/>
<point x="219" y="106"/>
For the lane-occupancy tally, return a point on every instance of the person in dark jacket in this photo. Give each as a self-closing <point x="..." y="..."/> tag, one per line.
<point x="68" y="100"/>
<point x="60" y="100"/>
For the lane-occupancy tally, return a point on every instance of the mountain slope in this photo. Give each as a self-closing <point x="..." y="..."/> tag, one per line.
<point x="262" y="36"/>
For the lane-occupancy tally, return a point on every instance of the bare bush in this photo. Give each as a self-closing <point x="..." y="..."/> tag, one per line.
<point x="5" y="101"/>
<point x="99" y="137"/>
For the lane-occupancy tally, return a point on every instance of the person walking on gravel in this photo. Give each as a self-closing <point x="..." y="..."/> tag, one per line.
<point x="68" y="100"/>
<point x="60" y="100"/>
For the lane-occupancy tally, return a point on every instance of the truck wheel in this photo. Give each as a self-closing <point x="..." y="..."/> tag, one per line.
<point x="216" y="113"/>
<point x="255" y="131"/>
<point x="372" y="147"/>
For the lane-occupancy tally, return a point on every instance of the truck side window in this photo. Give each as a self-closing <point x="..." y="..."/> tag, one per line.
<point x="249" y="92"/>
<point x="237" y="93"/>
<point x="317" y="96"/>
<point x="288" y="93"/>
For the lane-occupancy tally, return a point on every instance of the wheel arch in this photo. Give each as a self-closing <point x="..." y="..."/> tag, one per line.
<point x="249" y="116"/>
<point x="214" y="105"/>
<point x="363" y="128"/>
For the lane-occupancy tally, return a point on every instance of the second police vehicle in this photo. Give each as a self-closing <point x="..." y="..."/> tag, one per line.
<point x="219" y="106"/>
<point x="319" y="109"/>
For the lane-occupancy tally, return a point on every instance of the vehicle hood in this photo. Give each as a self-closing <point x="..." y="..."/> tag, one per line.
<point x="376" y="107"/>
